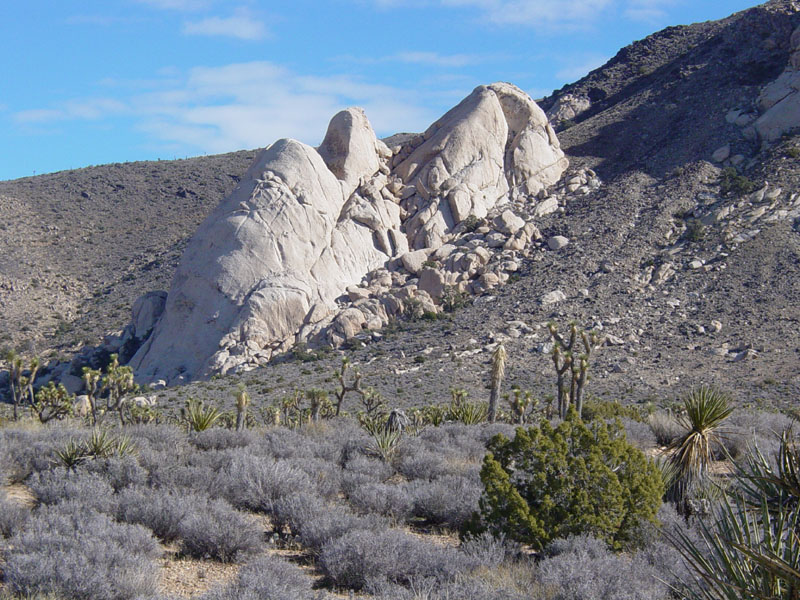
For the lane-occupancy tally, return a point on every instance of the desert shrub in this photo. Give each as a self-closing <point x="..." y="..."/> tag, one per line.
<point x="62" y="485"/>
<point x="28" y="452"/>
<point x="487" y="550"/>
<point x="266" y="577"/>
<point x="478" y="587"/>
<point x="296" y="509"/>
<point x="120" y="472"/>
<point x="221" y="439"/>
<point x="220" y="532"/>
<point x="665" y="428"/>
<point x="71" y="551"/>
<point x="575" y="478"/>
<point x="583" y="567"/>
<point x="160" y="510"/>
<point x="282" y="442"/>
<point x="450" y="500"/>
<point x="391" y="501"/>
<point x="326" y="477"/>
<point x="257" y="483"/>
<point x="390" y="554"/>
<point x="419" y="461"/>
<point x="198" y="479"/>
<point x="13" y="516"/>
<point x="334" y="522"/>
<point x="158" y="437"/>
<point x="639" y="434"/>
<point x="660" y="554"/>
<point x="375" y="469"/>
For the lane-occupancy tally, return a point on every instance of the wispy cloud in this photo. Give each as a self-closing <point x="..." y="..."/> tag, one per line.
<point x="426" y="58"/>
<point x="179" y="5"/>
<point x="243" y="25"/>
<point x="436" y="59"/>
<point x="578" y="66"/>
<point x="85" y="109"/>
<point x="649" y="11"/>
<point x="244" y="105"/>
<point x="549" y="13"/>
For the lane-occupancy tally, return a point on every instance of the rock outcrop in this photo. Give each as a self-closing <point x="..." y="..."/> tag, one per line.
<point x="306" y="225"/>
<point x="779" y="101"/>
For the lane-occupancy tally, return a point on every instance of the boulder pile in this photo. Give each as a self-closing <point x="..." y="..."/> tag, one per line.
<point x="319" y="245"/>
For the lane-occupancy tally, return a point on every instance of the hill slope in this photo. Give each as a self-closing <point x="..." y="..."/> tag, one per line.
<point x="695" y="281"/>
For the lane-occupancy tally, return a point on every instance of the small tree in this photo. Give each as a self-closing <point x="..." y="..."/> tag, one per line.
<point x="550" y="483"/>
<point x="52" y="402"/>
<point x="118" y="383"/>
<point x="344" y="387"/>
<point x="20" y="384"/>
<point x="498" y="373"/>
<point x="572" y="368"/>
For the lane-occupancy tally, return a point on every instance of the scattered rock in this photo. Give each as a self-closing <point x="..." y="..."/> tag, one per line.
<point x="557" y="242"/>
<point x="721" y="154"/>
<point x="553" y="297"/>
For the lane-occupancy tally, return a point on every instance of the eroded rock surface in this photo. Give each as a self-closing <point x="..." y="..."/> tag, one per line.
<point x="306" y="225"/>
<point x="779" y="102"/>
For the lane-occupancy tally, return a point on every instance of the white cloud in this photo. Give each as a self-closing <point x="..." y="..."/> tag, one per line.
<point x="242" y="25"/>
<point x="245" y="105"/>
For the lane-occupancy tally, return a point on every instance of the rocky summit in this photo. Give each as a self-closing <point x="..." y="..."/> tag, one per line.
<point x="305" y="227"/>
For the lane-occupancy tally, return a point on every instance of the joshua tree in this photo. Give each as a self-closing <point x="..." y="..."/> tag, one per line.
<point x="91" y="378"/>
<point x="242" y="400"/>
<point x="498" y="373"/>
<point x="21" y="385"/>
<point x="570" y="366"/>
<point x="15" y="378"/>
<point x="118" y="383"/>
<point x="344" y="387"/>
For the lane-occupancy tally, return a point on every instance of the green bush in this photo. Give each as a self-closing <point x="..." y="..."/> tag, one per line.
<point x="550" y="483"/>
<point x="731" y="183"/>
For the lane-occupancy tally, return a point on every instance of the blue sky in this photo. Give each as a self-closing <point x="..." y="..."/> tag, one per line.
<point x="96" y="81"/>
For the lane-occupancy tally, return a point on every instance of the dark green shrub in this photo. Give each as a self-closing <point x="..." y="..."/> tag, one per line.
<point x="549" y="483"/>
<point x="731" y="183"/>
<point x="471" y="223"/>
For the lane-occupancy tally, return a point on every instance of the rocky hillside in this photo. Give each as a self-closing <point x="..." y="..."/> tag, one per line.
<point x="690" y="270"/>
<point x="78" y="247"/>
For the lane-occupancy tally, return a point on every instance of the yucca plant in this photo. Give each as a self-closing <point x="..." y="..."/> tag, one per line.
<point x="468" y="413"/>
<point x="692" y="451"/>
<point x="71" y="455"/>
<point x="385" y="442"/>
<point x="752" y="549"/>
<point x="198" y="416"/>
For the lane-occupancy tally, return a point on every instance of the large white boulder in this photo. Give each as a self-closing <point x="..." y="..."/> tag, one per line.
<point x="267" y="266"/>
<point x="286" y="240"/>
<point x="495" y="145"/>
